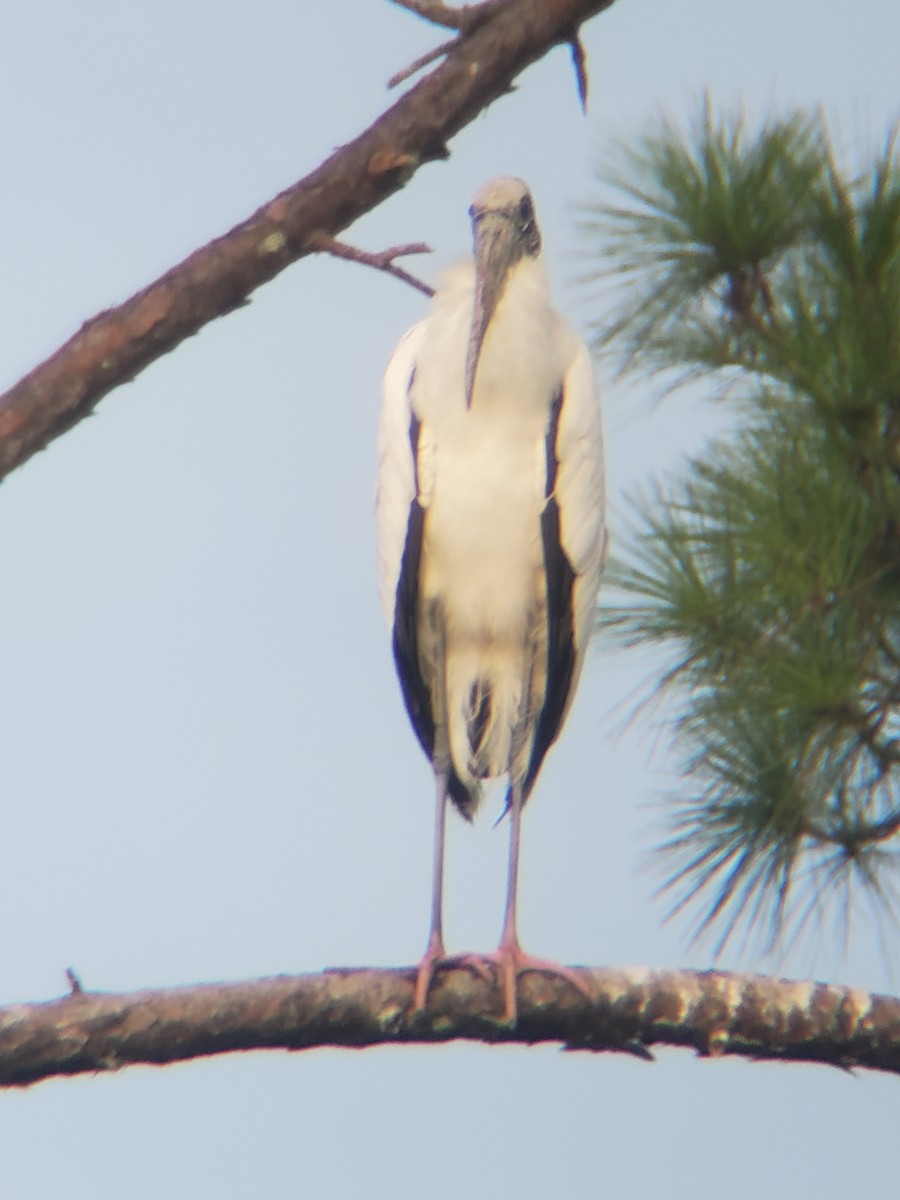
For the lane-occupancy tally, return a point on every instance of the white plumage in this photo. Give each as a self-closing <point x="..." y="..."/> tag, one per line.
<point x="491" y="529"/>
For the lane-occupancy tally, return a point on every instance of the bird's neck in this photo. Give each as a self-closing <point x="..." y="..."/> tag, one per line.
<point x="520" y="356"/>
<point x="523" y="356"/>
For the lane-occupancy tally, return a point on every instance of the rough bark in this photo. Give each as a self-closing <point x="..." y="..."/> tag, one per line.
<point x="496" y="42"/>
<point x="716" y="1013"/>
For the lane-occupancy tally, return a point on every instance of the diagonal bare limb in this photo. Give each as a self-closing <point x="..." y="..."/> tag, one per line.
<point x="502" y="37"/>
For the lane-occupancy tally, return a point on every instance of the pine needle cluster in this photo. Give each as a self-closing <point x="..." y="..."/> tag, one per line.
<point x="770" y="568"/>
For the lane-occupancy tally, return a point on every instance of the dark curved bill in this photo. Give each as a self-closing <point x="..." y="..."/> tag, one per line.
<point x="496" y="249"/>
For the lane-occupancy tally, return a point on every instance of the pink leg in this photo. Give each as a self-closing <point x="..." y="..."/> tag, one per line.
<point x="434" y="951"/>
<point x="510" y="956"/>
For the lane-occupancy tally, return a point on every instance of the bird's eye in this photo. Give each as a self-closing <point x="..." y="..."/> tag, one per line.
<point x="526" y="212"/>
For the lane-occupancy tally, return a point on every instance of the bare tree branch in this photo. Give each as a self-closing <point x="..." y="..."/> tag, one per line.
<point x="74" y="982"/>
<point x="382" y="260"/>
<point x="716" y="1013"/>
<point x="465" y="18"/>
<point x="500" y="39"/>
<point x="424" y="60"/>
<point x="579" y="62"/>
<point x="434" y="11"/>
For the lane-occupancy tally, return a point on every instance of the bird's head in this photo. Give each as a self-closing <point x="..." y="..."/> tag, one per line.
<point x="504" y="231"/>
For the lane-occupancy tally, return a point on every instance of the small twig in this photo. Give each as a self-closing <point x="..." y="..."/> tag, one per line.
<point x="423" y="61"/>
<point x="382" y="261"/>
<point x="579" y="62"/>
<point x="465" y="20"/>
<point x="437" y="13"/>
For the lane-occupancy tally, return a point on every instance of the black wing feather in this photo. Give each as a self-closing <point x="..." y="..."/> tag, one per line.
<point x="415" y="687"/>
<point x="416" y="692"/>
<point x="560" y="616"/>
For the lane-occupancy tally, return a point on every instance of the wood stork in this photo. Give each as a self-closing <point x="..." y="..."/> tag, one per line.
<point x="491" y="532"/>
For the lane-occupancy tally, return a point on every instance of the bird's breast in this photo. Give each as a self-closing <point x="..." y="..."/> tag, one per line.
<point x="482" y="552"/>
<point x="482" y="469"/>
<point x="525" y="353"/>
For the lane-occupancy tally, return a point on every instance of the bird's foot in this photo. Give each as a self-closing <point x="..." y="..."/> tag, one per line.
<point x="435" y="956"/>
<point x="513" y="961"/>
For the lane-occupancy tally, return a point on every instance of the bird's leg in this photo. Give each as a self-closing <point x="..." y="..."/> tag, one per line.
<point x="510" y="956"/>
<point x="509" y="952"/>
<point x="434" y="951"/>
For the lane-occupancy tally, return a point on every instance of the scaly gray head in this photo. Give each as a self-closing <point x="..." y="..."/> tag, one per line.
<point x="504" y="232"/>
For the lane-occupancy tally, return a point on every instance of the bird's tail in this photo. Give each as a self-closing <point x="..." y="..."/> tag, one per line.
<point x="483" y="712"/>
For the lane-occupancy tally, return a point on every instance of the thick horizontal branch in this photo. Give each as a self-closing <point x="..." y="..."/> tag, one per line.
<point x="499" y="41"/>
<point x="716" y="1013"/>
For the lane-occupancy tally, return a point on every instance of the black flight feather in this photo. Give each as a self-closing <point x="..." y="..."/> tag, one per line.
<point x="415" y="688"/>
<point x="560" y="642"/>
<point x="560" y="619"/>
<point x="416" y="692"/>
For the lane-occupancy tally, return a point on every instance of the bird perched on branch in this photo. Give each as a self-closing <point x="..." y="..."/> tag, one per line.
<point x="491" y="532"/>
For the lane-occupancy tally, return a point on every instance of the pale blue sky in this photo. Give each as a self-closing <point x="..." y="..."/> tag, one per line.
<point x="207" y="770"/>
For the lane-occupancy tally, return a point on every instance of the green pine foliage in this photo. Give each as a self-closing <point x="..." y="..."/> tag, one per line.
<point x="770" y="570"/>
